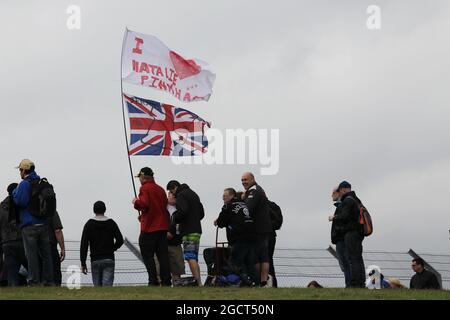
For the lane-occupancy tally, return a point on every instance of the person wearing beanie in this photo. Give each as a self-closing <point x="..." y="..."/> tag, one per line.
<point x="103" y="237"/>
<point x="348" y="220"/>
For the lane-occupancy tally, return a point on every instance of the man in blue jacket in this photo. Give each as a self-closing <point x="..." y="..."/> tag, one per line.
<point x="34" y="230"/>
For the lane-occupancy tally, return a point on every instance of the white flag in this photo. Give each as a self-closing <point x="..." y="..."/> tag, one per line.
<point x="148" y="62"/>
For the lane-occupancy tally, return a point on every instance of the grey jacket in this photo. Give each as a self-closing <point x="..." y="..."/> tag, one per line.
<point x="9" y="231"/>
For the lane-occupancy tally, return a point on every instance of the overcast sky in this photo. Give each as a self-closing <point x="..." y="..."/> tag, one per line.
<point x="367" y="106"/>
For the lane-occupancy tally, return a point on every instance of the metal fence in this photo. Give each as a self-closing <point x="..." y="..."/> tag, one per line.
<point x="294" y="267"/>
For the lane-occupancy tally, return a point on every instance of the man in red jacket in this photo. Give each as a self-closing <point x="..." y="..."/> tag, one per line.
<point x="154" y="218"/>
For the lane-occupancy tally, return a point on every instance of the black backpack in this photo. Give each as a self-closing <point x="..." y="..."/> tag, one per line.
<point x="43" y="199"/>
<point x="276" y="216"/>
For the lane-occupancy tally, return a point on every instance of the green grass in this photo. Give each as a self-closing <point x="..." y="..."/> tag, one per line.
<point x="145" y="293"/>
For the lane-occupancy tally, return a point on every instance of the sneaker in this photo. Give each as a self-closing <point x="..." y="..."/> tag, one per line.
<point x="269" y="281"/>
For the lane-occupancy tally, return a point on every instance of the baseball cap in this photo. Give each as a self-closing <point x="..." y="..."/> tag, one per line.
<point x="146" y="171"/>
<point x="25" y="164"/>
<point x="344" y="185"/>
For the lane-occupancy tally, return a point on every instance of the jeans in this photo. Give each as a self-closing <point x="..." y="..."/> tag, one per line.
<point x="353" y="245"/>
<point x="155" y="243"/>
<point x="14" y="258"/>
<point x="243" y="260"/>
<point x="37" y="245"/>
<point x="272" y="242"/>
<point x="103" y="272"/>
<point x="344" y="262"/>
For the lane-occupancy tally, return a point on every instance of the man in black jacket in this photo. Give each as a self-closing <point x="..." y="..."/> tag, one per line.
<point x="256" y="201"/>
<point x="338" y="237"/>
<point x="348" y="220"/>
<point x="189" y="214"/>
<point x="103" y="237"/>
<point x="235" y="216"/>
<point x="423" y="279"/>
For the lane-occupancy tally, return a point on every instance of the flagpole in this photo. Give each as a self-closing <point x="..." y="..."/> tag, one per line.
<point x="123" y="115"/>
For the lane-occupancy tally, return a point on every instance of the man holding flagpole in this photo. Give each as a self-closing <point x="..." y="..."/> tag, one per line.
<point x="154" y="219"/>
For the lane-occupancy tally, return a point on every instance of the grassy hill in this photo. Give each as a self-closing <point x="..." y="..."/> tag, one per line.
<point x="151" y="293"/>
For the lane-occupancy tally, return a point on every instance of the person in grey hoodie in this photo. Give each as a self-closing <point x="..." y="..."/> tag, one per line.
<point x="103" y="237"/>
<point x="11" y="239"/>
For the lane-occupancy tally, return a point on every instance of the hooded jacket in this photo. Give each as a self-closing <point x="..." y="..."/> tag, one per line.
<point x="190" y="210"/>
<point x="256" y="200"/>
<point x="10" y="230"/>
<point x="348" y="216"/>
<point x="152" y="202"/>
<point x="103" y="237"/>
<point x="21" y="197"/>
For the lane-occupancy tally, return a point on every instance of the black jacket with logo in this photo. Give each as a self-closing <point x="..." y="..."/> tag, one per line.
<point x="189" y="210"/>
<point x="235" y="217"/>
<point x="256" y="201"/>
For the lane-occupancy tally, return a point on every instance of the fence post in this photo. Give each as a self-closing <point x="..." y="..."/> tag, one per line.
<point x="427" y="265"/>
<point x="333" y="252"/>
<point x="133" y="249"/>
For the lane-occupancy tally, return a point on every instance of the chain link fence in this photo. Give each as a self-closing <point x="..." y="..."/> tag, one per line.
<point x="294" y="267"/>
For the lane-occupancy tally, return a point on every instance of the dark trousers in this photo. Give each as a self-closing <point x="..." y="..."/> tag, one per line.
<point x="37" y="245"/>
<point x="344" y="263"/>
<point x="155" y="243"/>
<point x="56" y="260"/>
<point x="353" y="245"/>
<point x="272" y="242"/>
<point x="14" y="258"/>
<point x="243" y="260"/>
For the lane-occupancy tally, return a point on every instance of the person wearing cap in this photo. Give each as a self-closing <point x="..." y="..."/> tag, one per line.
<point x="353" y="231"/>
<point x="189" y="214"/>
<point x="11" y="239"/>
<point x="103" y="237"/>
<point x="34" y="230"/>
<point x="154" y="219"/>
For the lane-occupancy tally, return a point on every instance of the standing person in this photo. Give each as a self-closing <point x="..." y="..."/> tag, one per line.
<point x="256" y="201"/>
<point x="56" y="237"/>
<point x="236" y="218"/>
<point x="353" y="231"/>
<point x="103" y="237"/>
<point x="34" y="229"/>
<point x="11" y="239"/>
<point x="189" y="214"/>
<point x="154" y="218"/>
<point x="423" y="279"/>
<point x="337" y="238"/>
<point x="174" y="238"/>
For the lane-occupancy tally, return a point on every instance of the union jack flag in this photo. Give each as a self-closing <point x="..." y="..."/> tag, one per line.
<point x="161" y="129"/>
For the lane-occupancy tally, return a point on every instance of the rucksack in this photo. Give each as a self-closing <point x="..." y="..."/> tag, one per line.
<point x="276" y="216"/>
<point x="364" y="219"/>
<point x="43" y="199"/>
